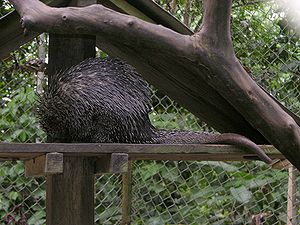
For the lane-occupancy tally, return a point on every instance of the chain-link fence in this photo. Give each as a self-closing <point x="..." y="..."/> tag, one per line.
<point x="168" y="192"/>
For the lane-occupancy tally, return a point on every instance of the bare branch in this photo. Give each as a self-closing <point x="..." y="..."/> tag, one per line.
<point x="98" y="20"/>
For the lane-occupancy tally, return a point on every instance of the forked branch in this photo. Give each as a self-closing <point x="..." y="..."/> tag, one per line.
<point x="216" y="25"/>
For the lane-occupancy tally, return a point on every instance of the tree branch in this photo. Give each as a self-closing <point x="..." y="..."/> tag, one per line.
<point x="258" y="107"/>
<point x="215" y="29"/>
<point x="97" y="19"/>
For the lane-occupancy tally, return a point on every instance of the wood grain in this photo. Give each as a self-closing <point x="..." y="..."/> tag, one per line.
<point x="135" y="151"/>
<point x="51" y="163"/>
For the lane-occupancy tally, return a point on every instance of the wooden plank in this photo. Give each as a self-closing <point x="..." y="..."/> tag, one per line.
<point x="135" y="151"/>
<point x="51" y="163"/>
<point x="112" y="163"/>
<point x="103" y="148"/>
<point x="70" y="196"/>
<point x="198" y="157"/>
<point x="281" y="164"/>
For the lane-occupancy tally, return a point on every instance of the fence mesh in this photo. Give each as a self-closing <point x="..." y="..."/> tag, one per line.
<point x="168" y="192"/>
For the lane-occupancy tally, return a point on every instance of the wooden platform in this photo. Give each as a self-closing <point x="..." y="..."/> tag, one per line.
<point x="21" y="151"/>
<point x="70" y="168"/>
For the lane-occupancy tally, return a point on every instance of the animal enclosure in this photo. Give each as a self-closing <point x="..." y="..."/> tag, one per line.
<point x="168" y="192"/>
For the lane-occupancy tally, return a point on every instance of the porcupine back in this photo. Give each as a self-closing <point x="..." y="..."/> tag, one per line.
<point x="98" y="100"/>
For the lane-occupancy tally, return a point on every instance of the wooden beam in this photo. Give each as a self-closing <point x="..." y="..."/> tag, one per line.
<point x="81" y="47"/>
<point x="49" y="164"/>
<point x="281" y="164"/>
<point x="113" y="163"/>
<point x="26" y="151"/>
<point x="107" y="148"/>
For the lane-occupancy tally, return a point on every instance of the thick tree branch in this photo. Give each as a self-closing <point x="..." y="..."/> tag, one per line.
<point x="259" y="108"/>
<point x="215" y="30"/>
<point x="99" y="20"/>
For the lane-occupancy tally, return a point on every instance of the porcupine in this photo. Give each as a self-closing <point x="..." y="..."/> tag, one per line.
<point x="107" y="101"/>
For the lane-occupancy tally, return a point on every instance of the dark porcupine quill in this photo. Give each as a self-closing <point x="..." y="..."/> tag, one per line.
<point x="106" y="101"/>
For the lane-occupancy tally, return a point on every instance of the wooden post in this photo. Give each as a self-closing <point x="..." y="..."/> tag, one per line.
<point x="70" y="196"/>
<point x="126" y="195"/>
<point x="68" y="50"/>
<point x="291" y="198"/>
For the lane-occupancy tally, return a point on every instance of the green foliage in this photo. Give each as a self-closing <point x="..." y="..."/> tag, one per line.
<point x="108" y="200"/>
<point x="5" y="7"/>
<point x="206" y="192"/>
<point x="22" y="200"/>
<point x="269" y="50"/>
<point x="17" y="120"/>
<point x="174" y="121"/>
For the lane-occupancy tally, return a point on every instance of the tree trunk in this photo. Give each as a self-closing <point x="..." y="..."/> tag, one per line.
<point x="203" y="65"/>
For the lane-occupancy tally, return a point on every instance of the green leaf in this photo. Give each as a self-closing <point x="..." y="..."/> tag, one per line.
<point x="13" y="195"/>
<point x="149" y="170"/>
<point x="38" y="218"/>
<point x="256" y="183"/>
<point x="107" y="213"/>
<point x="19" y="168"/>
<point x="156" y="221"/>
<point x="157" y="188"/>
<point x="5" y="204"/>
<point x="23" y="136"/>
<point x="171" y="174"/>
<point x="241" y="194"/>
<point x="17" y="133"/>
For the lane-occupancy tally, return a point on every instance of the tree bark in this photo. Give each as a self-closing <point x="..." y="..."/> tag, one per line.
<point x="207" y="59"/>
